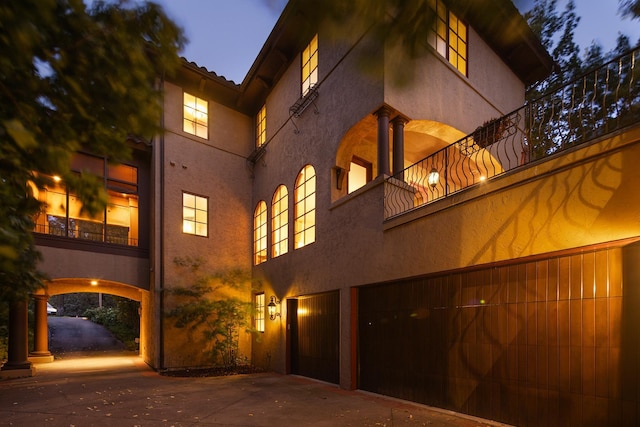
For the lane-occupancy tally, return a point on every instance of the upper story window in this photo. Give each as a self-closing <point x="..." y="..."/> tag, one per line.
<point x="194" y="214"/>
<point x="360" y="172"/>
<point x="449" y="36"/>
<point x="258" y="319"/>
<point x="260" y="233"/>
<point x="305" y="207"/>
<point x="62" y="213"/>
<point x="310" y="65"/>
<point x="196" y="116"/>
<point x="280" y="222"/>
<point x="261" y="127"/>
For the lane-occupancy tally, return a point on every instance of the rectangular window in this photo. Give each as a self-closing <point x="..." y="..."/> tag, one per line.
<point x="261" y="127"/>
<point x="449" y="36"/>
<point x="258" y="319"/>
<point x="310" y="66"/>
<point x="194" y="214"/>
<point x="360" y="172"/>
<point x="196" y="116"/>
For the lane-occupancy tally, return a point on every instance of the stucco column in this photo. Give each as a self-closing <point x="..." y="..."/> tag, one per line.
<point x="41" y="351"/>
<point x="398" y="146"/>
<point x="18" y="337"/>
<point x="383" y="140"/>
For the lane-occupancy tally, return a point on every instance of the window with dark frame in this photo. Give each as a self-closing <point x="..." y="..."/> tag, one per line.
<point x="195" y="214"/>
<point x="310" y="65"/>
<point x="195" y="116"/>
<point x="260" y="233"/>
<point x="449" y="36"/>
<point x="258" y="319"/>
<point x="360" y="173"/>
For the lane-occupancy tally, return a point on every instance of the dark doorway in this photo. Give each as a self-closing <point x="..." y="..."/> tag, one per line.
<point x="313" y="329"/>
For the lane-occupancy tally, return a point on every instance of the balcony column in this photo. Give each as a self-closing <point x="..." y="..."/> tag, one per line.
<point x="40" y="353"/>
<point x="398" y="146"/>
<point x="383" y="140"/>
<point x="18" y="364"/>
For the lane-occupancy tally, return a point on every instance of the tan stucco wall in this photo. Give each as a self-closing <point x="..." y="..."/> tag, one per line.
<point x="214" y="168"/>
<point x="580" y="198"/>
<point x="351" y="247"/>
<point x="63" y="263"/>
<point x="441" y="93"/>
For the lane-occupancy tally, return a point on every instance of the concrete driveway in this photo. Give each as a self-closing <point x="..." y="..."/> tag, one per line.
<point x="119" y="389"/>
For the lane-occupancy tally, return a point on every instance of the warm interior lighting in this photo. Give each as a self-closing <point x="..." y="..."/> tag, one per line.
<point x="94" y="283"/>
<point x="56" y="178"/>
<point x="187" y="227"/>
<point x="434" y="178"/>
<point x="272" y="308"/>
<point x="483" y="178"/>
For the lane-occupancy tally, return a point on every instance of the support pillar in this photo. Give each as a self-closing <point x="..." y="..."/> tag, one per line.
<point x="40" y="353"/>
<point x="18" y="364"/>
<point x="383" y="141"/>
<point x="398" y="146"/>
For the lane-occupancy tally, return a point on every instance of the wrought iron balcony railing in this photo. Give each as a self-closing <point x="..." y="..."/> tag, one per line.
<point x="597" y="103"/>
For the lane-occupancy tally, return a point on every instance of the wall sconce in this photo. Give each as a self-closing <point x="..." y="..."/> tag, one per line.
<point x="434" y="178"/>
<point x="272" y="306"/>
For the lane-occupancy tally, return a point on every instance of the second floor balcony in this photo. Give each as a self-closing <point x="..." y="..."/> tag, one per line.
<point x="598" y="103"/>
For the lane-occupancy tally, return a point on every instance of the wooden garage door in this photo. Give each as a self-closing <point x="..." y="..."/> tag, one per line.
<point x="314" y="331"/>
<point x="547" y="342"/>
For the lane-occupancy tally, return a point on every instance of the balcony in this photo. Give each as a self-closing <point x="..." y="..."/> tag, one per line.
<point x="598" y="103"/>
<point x="86" y="230"/>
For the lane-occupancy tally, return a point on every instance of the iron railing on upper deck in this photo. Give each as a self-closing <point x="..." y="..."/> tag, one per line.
<point x="599" y="102"/>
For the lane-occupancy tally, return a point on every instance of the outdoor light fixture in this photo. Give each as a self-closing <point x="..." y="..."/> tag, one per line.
<point x="272" y="306"/>
<point x="434" y="178"/>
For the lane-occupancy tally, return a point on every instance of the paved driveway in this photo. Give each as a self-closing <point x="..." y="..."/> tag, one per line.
<point x="120" y="390"/>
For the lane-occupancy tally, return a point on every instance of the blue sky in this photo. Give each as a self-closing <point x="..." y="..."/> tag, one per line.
<point x="226" y="35"/>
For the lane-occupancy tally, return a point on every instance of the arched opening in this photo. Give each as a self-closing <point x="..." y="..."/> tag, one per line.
<point x="356" y="156"/>
<point x="80" y="294"/>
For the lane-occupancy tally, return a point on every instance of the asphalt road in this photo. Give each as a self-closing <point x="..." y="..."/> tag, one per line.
<point x="77" y="334"/>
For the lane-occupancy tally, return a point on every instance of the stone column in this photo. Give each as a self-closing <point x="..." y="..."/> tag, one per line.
<point x="18" y="364"/>
<point x="383" y="141"/>
<point x="41" y="351"/>
<point x="398" y="146"/>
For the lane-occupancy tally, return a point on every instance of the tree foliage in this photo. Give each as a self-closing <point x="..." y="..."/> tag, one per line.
<point x="556" y="31"/>
<point x="209" y="305"/>
<point x="630" y="8"/>
<point x="70" y="78"/>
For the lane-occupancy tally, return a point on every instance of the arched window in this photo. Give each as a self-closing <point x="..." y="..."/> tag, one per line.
<point x="260" y="233"/>
<point x="305" y="207"/>
<point x="279" y="222"/>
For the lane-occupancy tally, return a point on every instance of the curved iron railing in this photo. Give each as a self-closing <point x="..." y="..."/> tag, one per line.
<point x="599" y="102"/>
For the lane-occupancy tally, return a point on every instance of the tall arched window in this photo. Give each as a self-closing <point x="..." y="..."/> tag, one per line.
<point x="279" y="222"/>
<point x="260" y="233"/>
<point x="305" y="207"/>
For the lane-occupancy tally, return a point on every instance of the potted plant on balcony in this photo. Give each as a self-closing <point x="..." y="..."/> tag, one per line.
<point x="491" y="131"/>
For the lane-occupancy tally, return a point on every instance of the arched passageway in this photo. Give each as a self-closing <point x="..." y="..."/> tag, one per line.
<point x="41" y="352"/>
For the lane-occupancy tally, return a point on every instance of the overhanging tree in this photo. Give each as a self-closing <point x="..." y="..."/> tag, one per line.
<point x="71" y="78"/>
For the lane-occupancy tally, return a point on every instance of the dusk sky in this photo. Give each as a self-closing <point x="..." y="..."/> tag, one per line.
<point x="225" y="36"/>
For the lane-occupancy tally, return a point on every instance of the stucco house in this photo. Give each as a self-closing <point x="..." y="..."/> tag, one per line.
<point x="432" y="238"/>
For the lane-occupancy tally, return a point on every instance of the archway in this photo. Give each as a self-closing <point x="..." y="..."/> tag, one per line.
<point x="421" y="139"/>
<point x="61" y="286"/>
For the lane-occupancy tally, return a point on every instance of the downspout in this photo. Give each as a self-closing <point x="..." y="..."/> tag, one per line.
<point x="160" y="237"/>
